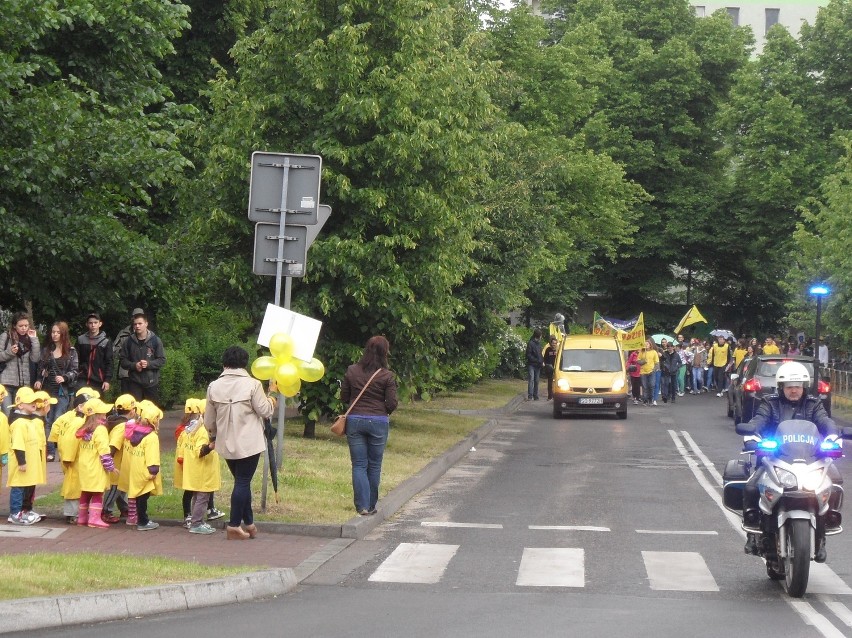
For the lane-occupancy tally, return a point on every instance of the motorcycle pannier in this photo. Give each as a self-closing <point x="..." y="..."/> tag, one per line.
<point x="735" y="477"/>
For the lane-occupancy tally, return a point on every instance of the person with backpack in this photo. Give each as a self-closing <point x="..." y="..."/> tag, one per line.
<point x="120" y="338"/>
<point x="94" y="351"/>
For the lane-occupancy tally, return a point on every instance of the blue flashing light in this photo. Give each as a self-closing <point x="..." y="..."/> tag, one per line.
<point x="768" y="445"/>
<point x="829" y="446"/>
<point x="819" y="290"/>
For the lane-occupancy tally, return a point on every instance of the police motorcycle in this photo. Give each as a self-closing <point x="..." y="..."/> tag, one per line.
<point x="800" y="497"/>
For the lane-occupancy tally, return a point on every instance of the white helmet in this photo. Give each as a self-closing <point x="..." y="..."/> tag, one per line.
<point x="792" y="372"/>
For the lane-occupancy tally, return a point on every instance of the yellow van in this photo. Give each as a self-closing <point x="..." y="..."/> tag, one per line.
<point x="590" y="375"/>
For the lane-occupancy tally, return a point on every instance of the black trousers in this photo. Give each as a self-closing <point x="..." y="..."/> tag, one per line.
<point x="141" y="392"/>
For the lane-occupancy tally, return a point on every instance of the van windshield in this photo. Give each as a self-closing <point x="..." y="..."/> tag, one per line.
<point x="590" y="361"/>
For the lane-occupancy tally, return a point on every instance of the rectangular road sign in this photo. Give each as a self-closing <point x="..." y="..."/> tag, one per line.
<point x="271" y="174"/>
<point x="266" y="250"/>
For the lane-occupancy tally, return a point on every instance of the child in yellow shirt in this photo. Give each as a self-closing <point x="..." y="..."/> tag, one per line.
<point x="27" y="461"/>
<point x="124" y="411"/>
<point x="143" y="454"/>
<point x="4" y="432"/>
<point x="201" y="473"/>
<point x="94" y="462"/>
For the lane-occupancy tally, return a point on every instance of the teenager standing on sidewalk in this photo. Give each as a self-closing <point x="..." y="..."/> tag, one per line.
<point x="534" y="362"/>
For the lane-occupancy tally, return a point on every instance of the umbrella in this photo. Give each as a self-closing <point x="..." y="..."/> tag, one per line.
<point x="269" y="432"/>
<point x="659" y="337"/>
<point x="722" y="333"/>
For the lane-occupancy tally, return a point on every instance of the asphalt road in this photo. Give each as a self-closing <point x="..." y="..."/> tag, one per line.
<point x="581" y="527"/>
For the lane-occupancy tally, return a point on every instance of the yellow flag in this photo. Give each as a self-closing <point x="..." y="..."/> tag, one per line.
<point x="692" y="316"/>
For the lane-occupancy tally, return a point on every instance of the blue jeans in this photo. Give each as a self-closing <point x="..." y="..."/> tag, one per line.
<point x="367" y="437"/>
<point x="533" y="373"/>
<point x="658" y="375"/>
<point x="697" y="374"/>
<point x="16" y="499"/>
<point x="243" y="471"/>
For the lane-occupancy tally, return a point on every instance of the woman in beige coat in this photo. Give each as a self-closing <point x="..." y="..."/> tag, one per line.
<point x="236" y="408"/>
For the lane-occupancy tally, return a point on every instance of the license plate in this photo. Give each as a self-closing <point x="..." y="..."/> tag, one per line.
<point x="591" y="400"/>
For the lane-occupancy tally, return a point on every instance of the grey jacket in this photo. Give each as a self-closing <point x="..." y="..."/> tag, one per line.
<point x="17" y="371"/>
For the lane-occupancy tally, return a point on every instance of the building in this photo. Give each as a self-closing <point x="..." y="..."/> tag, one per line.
<point x="762" y="15"/>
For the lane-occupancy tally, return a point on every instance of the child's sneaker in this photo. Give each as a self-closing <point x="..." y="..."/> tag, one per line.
<point x="110" y="518"/>
<point x="187" y="522"/>
<point x="147" y="526"/>
<point x="204" y="528"/>
<point x="213" y="514"/>
<point x="18" y="519"/>
<point x="34" y="516"/>
<point x="132" y="520"/>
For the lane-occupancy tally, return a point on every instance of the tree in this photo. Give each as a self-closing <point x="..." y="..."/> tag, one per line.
<point x="87" y="137"/>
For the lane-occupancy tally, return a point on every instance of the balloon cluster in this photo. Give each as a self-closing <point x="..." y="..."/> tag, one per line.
<point x="287" y="371"/>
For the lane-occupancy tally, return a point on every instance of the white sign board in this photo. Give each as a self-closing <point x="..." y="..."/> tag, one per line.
<point x="304" y="330"/>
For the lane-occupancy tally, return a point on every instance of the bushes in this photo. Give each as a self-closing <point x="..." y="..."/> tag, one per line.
<point x="176" y="378"/>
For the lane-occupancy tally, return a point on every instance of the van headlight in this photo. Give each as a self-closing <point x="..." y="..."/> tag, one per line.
<point x="618" y="384"/>
<point x="563" y="384"/>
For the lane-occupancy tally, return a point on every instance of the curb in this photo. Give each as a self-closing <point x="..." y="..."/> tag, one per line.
<point x="125" y="604"/>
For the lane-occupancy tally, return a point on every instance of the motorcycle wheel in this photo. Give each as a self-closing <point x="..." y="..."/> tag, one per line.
<point x="797" y="564"/>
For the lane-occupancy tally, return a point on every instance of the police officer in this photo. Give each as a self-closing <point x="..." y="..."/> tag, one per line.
<point x="791" y="402"/>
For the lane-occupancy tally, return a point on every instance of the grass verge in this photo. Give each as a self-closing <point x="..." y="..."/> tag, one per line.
<point x="47" y="574"/>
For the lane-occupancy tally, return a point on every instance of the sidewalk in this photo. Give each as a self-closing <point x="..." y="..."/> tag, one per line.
<point x="276" y="561"/>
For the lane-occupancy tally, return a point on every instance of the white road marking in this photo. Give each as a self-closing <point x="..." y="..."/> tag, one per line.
<point x="415" y="563"/>
<point x="552" y="567"/>
<point x="815" y="619"/>
<point x="676" y="531"/>
<point x="571" y="528"/>
<point x="823" y="580"/>
<point x="471" y="525"/>
<point x="678" y="571"/>
<point x="838" y="609"/>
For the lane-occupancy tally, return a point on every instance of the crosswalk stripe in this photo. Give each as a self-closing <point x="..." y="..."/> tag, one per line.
<point x="552" y="567"/>
<point x="415" y="563"/>
<point x="678" y="571"/>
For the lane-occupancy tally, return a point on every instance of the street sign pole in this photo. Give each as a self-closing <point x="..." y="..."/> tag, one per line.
<point x="272" y="199"/>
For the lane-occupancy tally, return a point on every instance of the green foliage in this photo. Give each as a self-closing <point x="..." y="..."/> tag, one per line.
<point x="203" y="333"/>
<point x="512" y="364"/>
<point x="176" y="378"/>
<point x="87" y="137"/>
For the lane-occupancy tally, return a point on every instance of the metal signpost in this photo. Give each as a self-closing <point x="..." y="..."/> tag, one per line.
<point x="284" y="201"/>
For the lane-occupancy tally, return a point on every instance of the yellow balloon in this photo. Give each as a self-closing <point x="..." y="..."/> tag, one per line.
<point x="287" y="374"/>
<point x="290" y="390"/>
<point x="263" y="368"/>
<point x="312" y="370"/>
<point x="281" y="346"/>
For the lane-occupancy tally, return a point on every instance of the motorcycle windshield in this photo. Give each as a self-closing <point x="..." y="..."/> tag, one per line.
<point x="797" y="439"/>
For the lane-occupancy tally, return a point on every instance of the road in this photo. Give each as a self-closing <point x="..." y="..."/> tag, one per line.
<point x="581" y="526"/>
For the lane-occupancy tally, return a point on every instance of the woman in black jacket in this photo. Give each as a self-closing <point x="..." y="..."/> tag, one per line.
<point x="57" y="371"/>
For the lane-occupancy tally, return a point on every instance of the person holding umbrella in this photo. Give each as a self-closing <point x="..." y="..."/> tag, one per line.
<point x="234" y="413"/>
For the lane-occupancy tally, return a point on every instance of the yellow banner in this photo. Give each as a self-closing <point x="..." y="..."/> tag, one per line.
<point x="692" y="316"/>
<point x="633" y="338"/>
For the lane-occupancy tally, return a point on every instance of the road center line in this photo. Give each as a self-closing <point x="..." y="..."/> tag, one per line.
<point x="675" y="531"/>
<point x="466" y="525"/>
<point x="571" y="528"/>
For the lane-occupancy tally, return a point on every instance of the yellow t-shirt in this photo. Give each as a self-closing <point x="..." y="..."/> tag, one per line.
<point x="652" y="360"/>
<point x="116" y="440"/>
<point x="180" y="453"/>
<point x="26" y="432"/>
<point x="739" y="355"/>
<point x="68" y="446"/>
<point x="200" y="474"/>
<point x="772" y="349"/>
<point x="141" y="457"/>
<point x="93" y="476"/>
<point x="719" y="355"/>
<point x="4" y="434"/>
